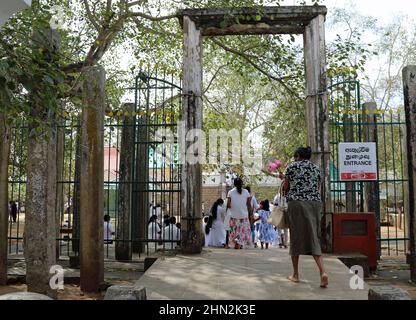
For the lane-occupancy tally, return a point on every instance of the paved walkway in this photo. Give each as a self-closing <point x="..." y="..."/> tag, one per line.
<point x="250" y="274"/>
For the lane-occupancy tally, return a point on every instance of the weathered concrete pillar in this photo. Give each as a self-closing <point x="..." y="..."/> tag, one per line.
<point x="192" y="236"/>
<point x="4" y="212"/>
<point x="123" y="247"/>
<point x="40" y="226"/>
<point x="409" y="89"/>
<point x="318" y="115"/>
<point x="371" y="188"/>
<point x="140" y="212"/>
<point x="92" y="180"/>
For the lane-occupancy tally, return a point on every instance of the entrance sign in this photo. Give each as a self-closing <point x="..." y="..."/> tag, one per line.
<point x="358" y="161"/>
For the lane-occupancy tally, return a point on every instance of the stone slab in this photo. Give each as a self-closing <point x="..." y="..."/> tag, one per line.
<point x="250" y="274"/>
<point x="125" y="293"/>
<point x="387" y="293"/>
<point x="24" y="296"/>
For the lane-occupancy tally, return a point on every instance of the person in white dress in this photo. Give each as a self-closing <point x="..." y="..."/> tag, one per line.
<point x="207" y="230"/>
<point x="227" y="227"/>
<point x="153" y="229"/>
<point x="108" y="230"/>
<point x="172" y="233"/>
<point x="215" y="225"/>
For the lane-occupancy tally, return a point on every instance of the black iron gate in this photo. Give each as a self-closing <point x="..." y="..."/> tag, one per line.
<point x="157" y="171"/>
<point x="143" y="128"/>
<point x="351" y="121"/>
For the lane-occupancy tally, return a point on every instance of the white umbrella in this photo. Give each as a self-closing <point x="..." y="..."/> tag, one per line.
<point x="10" y="7"/>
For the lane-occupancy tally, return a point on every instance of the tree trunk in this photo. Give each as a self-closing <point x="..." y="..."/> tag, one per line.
<point x="4" y="183"/>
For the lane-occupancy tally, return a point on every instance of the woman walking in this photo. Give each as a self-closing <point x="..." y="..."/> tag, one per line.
<point x="239" y="204"/>
<point x="216" y="224"/>
<point x="301" y="186"/>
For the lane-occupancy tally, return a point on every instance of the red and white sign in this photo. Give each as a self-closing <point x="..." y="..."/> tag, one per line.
<point x="358" y="161"/>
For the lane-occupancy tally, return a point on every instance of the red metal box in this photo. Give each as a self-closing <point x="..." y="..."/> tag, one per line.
<point x="355" y="233"/>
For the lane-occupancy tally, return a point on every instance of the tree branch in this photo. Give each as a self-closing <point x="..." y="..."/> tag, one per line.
<point x="245" y="57"/>
<point x="151" y="18"/>
<point x="90" y="15"/>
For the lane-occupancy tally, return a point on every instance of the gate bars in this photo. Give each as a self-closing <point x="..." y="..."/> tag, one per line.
<point x="353" y="122"/>
<point x="155" y="171"/>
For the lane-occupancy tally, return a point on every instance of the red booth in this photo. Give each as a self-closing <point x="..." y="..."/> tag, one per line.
<point x="355" y="233"/>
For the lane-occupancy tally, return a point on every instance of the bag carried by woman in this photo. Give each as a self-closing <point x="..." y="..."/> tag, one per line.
<point x="279" y="216"/>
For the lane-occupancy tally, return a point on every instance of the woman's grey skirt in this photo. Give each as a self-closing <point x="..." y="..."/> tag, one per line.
<point x="305" y="227"/>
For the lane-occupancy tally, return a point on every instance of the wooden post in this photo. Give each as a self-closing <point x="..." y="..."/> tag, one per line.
<point x="191" y="215"/>
<point x="318" y="115"/>
<point x="371" y="188"/>
<point x="409" y="89"/>
<point x="40" y="226"/>
<point x="92" y="180"/>
<point x="123" y="247"/>
<point x="4" y="212"/>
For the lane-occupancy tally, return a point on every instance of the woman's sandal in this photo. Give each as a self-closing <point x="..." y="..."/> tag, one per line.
<point x="324" y="280"/>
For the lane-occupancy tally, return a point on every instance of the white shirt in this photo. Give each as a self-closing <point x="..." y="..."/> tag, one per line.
<point x="238" y="203"/>
<point x="153" y="230"/>
<point x="172" y="232"/>
<point x="108" y="231"/>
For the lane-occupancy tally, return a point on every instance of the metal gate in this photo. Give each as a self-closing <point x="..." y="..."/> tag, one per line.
<point x="138" y="128"/>
<point x="350" y="121"/>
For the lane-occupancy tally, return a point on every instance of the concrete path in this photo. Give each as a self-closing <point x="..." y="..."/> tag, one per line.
<point x="251" y="274"/>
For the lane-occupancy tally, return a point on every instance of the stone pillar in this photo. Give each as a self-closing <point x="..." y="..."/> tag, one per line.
<point x="40" y="225"/>
<point x="123" y="247"/>
<point x="140" y="213"/>
<point x="4" y="212"/>
<point x="371" y="188"/>
<point x="318" y="115"/>
<point x="409" y="89"/>
<point x="191" y="215"/>
<point x="92" y="180"/>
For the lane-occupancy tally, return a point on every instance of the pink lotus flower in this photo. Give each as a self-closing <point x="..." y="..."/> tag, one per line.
<point x="274" y="165"/>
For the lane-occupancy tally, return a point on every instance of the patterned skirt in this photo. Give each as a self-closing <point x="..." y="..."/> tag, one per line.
<point x="240" y="231"/>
